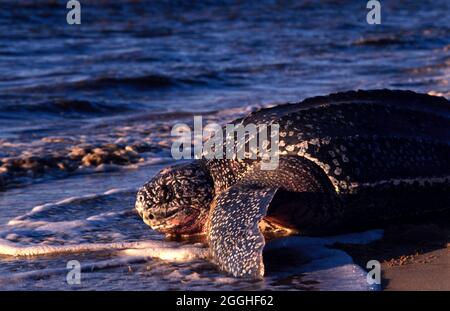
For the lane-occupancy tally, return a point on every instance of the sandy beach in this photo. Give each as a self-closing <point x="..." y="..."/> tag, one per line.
<point x="413" y="256"/>
<point x="427" y="271"/>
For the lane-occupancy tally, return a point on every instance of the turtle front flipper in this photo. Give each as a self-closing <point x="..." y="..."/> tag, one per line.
<point x="296" y="195"/>
<point x="235" y="240"/>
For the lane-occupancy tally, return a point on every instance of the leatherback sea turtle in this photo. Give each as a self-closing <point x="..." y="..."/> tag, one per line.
<point x="348" y="161"/>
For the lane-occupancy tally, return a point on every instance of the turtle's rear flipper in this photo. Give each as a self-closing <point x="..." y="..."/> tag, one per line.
<point x="235" y="239"/>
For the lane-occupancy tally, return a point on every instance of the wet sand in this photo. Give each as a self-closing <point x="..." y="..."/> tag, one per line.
<point x="428" y="271"/>
<point x="413" y="257"/>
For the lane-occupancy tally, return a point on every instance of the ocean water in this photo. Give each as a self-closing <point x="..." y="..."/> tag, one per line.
<point x="86" y="112"/>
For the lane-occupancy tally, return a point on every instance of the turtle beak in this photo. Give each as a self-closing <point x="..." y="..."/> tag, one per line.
<point x="144" y="212"/>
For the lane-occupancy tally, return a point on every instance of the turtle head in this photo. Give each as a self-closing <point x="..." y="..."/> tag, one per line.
<point x="177" y="200"/>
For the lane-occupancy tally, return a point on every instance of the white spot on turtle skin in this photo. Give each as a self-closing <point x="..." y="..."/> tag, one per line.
<point x="290" y="148"/>
<point x="326" y="140"/>
<point x="304" y="145"/>
<point x="282" y="143"/>
<point x="337" y="171"/>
